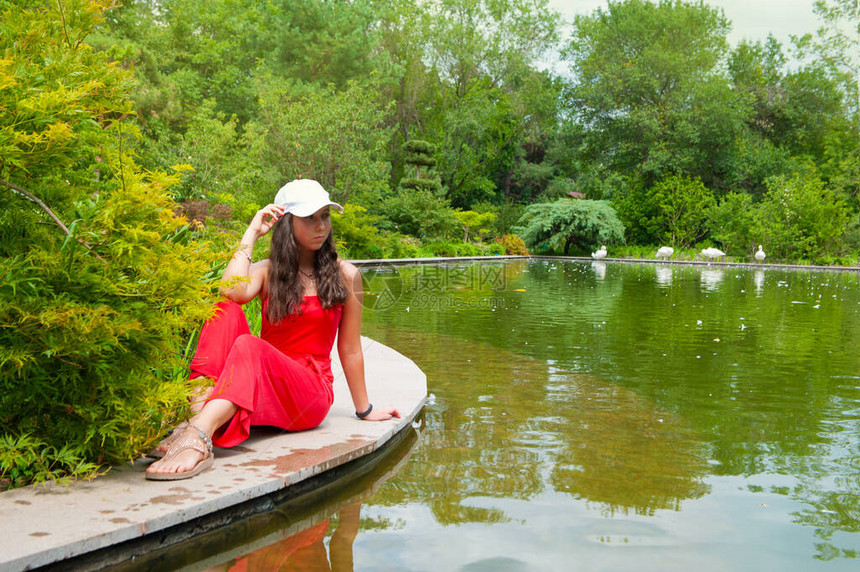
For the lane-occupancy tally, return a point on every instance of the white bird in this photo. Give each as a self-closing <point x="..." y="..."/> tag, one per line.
<point x="711" y="253"/>
<point x="600" y="254"/>
<point x="665" y="252"/>
<point x="759" y="255"/>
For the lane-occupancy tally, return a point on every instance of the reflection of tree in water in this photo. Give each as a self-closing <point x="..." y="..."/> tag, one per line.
<point x="465" y="448"/>
<point x="621" y="451"/>
<point x="831" y="512"/>
<point x="762" y="366"/>
<point x="507" y="428"/>
<point x="833" y="498"/>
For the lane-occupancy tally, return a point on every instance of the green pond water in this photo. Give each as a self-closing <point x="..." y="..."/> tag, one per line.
<point x="605" y="416"/>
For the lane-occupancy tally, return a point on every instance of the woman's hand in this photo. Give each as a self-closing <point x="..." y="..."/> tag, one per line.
<point x="265" y="219"/>
<point x="382" y="414"/>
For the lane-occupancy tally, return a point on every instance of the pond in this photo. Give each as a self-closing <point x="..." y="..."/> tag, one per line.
<point x="610" y="416"/>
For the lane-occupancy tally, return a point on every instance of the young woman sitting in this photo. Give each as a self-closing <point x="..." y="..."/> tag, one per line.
<point x="282" y="378"/>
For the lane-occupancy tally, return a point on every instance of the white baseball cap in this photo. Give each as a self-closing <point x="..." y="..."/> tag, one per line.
<point x="304" y="197"/>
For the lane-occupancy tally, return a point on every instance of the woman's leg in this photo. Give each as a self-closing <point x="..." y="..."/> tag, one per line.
<point x="258" y="385"/>
<point x="269" y="388"/>
<point x="216" y="339"/>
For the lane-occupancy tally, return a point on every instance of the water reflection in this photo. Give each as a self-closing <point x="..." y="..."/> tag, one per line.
<point x="591" y="391"/>
<point x="599" y="269"/>
<point x="758" y="279"/>
<point x="305" y="550"/>
<point x="509" y="426"/>
<point x="624" y="452"/>
<point x="664" y="275"/>
<point x="711" y="278"/>
<point x="301" y="545"/>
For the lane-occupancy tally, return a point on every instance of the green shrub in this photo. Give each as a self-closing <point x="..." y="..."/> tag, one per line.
<point x="495" y="249"/>
<point x="401" y="246"/>
<point x="356" y="233"/>
<point x="736" y="223"/>
<point x="803" y="219"/>
<point x="101" y="282"/>
<point x="432" y="249"/>
<point x="420" y="214"/>
<point x="445" y="249"/>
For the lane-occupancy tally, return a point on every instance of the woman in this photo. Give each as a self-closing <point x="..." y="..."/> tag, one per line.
<point x="283" y="378"/>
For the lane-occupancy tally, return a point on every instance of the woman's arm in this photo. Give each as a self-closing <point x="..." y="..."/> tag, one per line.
<point x="242" y="280"/>
<point x="349" y="347"/>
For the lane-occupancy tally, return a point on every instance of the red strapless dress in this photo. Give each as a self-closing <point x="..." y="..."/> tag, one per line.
<point x="282" y="379"/>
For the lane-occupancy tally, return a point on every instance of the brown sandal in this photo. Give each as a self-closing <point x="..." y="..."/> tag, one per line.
<point x="158" y="452"/>
<point x="189" y="437"/>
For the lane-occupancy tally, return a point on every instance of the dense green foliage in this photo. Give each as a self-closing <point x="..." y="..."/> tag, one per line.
<point x="99" y="280"/>
<point x="449" y="106"/>
<point x="579" y="224"/>
<point x="438" y="123"/>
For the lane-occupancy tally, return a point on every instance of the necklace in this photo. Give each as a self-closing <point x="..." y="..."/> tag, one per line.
<point x="309" y="275"/>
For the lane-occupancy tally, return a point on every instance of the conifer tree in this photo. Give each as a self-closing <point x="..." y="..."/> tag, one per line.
<point x="566" y="223"/>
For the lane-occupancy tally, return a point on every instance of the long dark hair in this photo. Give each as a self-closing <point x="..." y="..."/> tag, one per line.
<point x="285" y="290"/>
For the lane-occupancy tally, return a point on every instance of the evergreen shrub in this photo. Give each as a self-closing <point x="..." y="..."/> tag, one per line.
<point x="420" y="214"/>
<point x="566" y="223"/>
<point x="101" y="283"/>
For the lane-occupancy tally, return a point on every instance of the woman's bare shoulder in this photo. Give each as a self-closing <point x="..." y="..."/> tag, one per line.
<point x="348" y="269"/>
<point x="351" y="275"/>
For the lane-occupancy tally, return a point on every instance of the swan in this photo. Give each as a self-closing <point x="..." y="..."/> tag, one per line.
<point x="759" y="255"/>
<point x="600" y="254"/>
<point x="711" y="253"/>
<point x="664" y="252"/>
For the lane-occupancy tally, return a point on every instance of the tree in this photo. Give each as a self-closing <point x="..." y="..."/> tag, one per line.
<point x="566" y="223"/>
<point x="325" y="43"/>
<point x="803" y="219"/>
<point x="798" y="114"/>
<point x="648" y="89"/>
<point x="682" y="206"/>
<point x="336" y="137"/>
<point x="838" y="41"/>
<point x="484" y="54"/>
<point x="419" y="157"/>
<point x="100" y="282"/>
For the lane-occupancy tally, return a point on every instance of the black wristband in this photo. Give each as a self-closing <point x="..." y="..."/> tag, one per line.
<point x="364" y="414"/>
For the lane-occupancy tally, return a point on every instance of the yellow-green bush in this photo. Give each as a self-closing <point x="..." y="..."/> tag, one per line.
<point x="101" y="284"/>
<point x="513" y="244"/>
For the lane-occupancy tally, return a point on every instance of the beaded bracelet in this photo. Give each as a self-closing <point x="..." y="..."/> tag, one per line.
<point x="364" y="414"/>
<point x="246" y="255"/>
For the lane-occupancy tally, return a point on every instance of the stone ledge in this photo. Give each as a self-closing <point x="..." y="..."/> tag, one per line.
<point x="49" y="523"/>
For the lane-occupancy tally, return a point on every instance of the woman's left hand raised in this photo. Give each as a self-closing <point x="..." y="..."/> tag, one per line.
<point x="382" y="414"/>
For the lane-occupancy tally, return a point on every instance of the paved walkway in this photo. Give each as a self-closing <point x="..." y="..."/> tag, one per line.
<point x="48" y="524"/>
